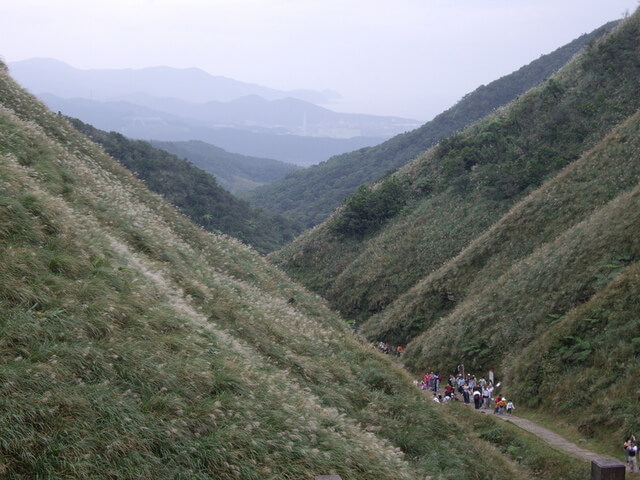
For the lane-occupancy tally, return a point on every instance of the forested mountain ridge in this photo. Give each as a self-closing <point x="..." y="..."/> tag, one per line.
<point x="599" y="176"/>
<point x="310" y="195"/>
<point x="233" y="172"/>
<point x="512" y="245"/>
<point x="137" y="345"/>
<point x="195" y="192"/>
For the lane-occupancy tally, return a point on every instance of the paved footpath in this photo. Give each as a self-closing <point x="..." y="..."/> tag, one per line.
<point x="547" y="435"/>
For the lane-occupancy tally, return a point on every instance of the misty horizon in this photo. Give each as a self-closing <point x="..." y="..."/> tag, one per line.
<point x="407" y="59"/>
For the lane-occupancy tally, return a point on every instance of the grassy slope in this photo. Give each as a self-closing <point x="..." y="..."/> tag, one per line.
<point x="588" y="274"/>
<point x="234" y="172"/>
<point x="599" y="176"/>
<point x="195" y="192"/>
<point x="135" y="345"/>
<point x="585" y="368"/>
<point x="310" y="195"/>
<point x="465" y="184"/>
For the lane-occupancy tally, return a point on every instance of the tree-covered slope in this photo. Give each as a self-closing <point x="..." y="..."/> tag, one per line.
<point x="233" y="172"/>
<point x="606" y="171"/>
<point x="371" y="251"/>
<point x="310" y="195"/>
<point x="135" y="345"/>
<point x="195" y="192"/>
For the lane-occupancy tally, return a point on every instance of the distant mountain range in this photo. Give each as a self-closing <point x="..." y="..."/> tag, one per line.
<point x="170" y="104"/>
<point x="284" y="116"/>
<point x="135" y="121"/>
<point x="49" y="75"/>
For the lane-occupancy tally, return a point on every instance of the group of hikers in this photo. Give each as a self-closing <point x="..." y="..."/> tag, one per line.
<point x="480" y="391"/>
<point x="388" y="349"/>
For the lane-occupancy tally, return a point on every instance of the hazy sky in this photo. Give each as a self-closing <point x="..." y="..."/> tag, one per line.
<point x="398" y="57"/>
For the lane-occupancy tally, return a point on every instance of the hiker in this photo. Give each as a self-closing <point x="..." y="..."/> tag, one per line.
<point x="501" y="405"/>
<point x="497" y="400"/>
<point x="448" y="389"/>
<point x="631" y="439"/>
<point x="466" y="390"/>
<point x="472" y="381"/>
<point x="510" y="407"/>
<point x="436" y="382"/>
<point x="489" y="395"/>
<point x="435" y="398"/>
<point x="632" y="456"/>
<point x="485" y="396"/>
<point x="477" y="399"/>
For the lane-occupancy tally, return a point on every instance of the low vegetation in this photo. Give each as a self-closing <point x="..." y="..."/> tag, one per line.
<point x="525" y="449"/>
<point x="368" y="209"/>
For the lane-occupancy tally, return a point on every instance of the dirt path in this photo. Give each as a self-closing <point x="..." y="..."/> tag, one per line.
<point x="545" y="434"/>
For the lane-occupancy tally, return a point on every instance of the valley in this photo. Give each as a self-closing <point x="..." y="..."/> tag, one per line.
<point x="155" y="326"/>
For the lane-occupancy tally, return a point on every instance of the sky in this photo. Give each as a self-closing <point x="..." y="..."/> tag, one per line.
<point x="410" y="58"/>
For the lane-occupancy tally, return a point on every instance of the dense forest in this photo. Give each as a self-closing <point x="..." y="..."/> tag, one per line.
<point x="234" y="172"/>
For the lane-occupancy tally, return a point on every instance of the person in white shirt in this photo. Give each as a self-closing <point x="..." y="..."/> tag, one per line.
<point x="510" y="407"/>
<point x="487" y="399"/>
<point x="632" y="452"/>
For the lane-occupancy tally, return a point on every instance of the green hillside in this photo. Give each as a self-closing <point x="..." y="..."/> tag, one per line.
<point x="195" y="192"/>
<point x="135" y="345"/>
<point x="310" y="195"/>
<point x="600" y="175"/>
<point x="233" y="171"/>
<point x="566" y="315"/>
<point x="362" y="262"/>
<point x="514" y="245"/>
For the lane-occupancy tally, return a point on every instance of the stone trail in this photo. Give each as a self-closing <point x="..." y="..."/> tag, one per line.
<point x="545" y="434"/>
